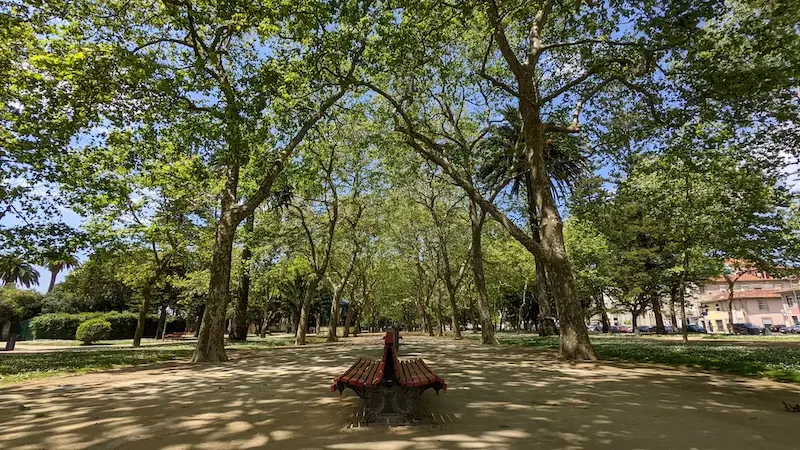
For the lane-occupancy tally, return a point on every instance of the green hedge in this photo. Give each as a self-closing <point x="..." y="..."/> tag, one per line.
<point x="123" y="324"/>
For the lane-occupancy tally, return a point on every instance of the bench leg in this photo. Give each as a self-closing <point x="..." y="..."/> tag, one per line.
<point x="404" y="400"/>
<point x="375" y="403"/>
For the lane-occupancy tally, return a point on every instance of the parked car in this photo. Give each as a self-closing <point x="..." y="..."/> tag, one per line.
<point x="792" y="329"/>
<point x="624" y="329"/>
<point x="777" y="328"/>
<point x="695" y="328"/>
<point x="747" y="328"/>
<point x="595" y="328"/>
<point x="645" y="329"/>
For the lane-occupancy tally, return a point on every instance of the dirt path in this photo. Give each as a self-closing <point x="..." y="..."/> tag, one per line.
<point x="497" y="398"/>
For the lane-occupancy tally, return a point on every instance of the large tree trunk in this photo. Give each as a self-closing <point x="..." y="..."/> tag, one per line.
<point x="162" y="322"/>
<point x="265" y="324"/>
<point x="655" y="303"/>
<point x="603" y="313"/>
<point x="521" y="311"/>
<point x="451" y="296"/>
<point x="147" y="296"/>
<point x="439" y="315"/>
<point x="477" y="220"/>
<point x="682" y="293"/>
<point x="337" y="297"/>
<point x="240" y="322"/>
<point x="673" y="292"/>
<point x="53" y="275"/>
<point x="211" y="339"/>
<point x="575" y="342"/>
<point x="348" y="319"/>
<point x="302" y="324"/>
<point x="547" y="320"/>
<point x="547" y="324"/>
<point x="338" y="292"/>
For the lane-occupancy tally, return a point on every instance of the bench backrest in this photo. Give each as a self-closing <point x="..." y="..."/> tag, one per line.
<point x="389" y="361"/>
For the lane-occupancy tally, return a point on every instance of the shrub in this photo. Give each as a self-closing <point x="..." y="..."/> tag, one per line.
<point x="123" y="324"/>
<point x="93" y="330"/>
<point x="56" y="326"/>
<point x="19" y="304"/>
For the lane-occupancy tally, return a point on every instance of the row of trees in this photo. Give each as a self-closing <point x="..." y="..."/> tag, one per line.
<point x="169" y="125"/>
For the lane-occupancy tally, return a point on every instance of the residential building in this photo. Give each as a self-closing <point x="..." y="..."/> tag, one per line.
<point x="758" y="298"/>
<point x="617" y="316"/>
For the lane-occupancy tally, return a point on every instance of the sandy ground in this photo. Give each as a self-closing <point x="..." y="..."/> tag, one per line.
<point x="497" y="398"/>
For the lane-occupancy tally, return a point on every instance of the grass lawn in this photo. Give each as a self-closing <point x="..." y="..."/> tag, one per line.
<point x="775" y="362"/>
<point x="17" y="367"/>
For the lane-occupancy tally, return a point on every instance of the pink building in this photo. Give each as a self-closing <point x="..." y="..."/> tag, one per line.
<point x="762" y="307"/>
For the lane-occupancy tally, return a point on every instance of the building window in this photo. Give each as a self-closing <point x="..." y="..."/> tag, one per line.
<point x="716" y="307"/>
<point x="744" y="287"/>
<point x="758" y="287"/>
<point x="777" y="286"/>
<point x="794" y="319"/>
<point x="762" y="305"/>
<point x="767" y="323"/>
<point x="789" y="300"/>
<point x="722" y="288"/>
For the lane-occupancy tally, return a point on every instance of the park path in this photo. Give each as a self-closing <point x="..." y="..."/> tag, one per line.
<point x="501" y="398"/>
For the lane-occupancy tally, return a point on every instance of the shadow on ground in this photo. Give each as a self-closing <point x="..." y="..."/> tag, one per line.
<point x="502" y="397"/>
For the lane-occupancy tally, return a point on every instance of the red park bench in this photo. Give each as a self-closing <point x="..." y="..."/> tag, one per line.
<point x="400" y="381"/>
<point x="177" y="334"/>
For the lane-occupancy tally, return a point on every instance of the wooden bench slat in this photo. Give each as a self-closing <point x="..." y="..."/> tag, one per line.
<point x="410" y="376"/>
<point x="402" y="377"/>
<point x="354" y="371"/>
<point x="419" y="376"/>
<point x="425" y="375"/>
<point x="372" y="376"/>
<point x="342" y="376"/>
<point x="438" y="378"/>
<point x="362" y="376"/>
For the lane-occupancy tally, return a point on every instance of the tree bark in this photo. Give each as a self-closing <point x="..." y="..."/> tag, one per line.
<point x="547" y="325"/>
<point x="672" y="294"/>
<point x="240" y="322"/>
<point x="477" y="219"/>
<point x="210" y="340"/>
<point x="451" y="296"/>
<point x="147" y="296"/>
<point x="162" y="322"/>
<point x="338" y="292"/>
<point x="302" y="324"/>
<point x="603" y="314"/>
<point x="575" y="342"/>
<point x="53" y="275"/>
<point x="655" y="303"/>
<point x="439" y="316"/>
<point x="348" y="319"/>
<point x="682" y="294"/>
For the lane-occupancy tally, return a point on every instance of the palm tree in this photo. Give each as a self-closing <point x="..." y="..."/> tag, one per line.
<point x="14" y="269"/>
<point x="57" y="263"/>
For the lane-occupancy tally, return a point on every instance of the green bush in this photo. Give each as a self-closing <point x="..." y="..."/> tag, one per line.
<point x="19" y="304"/>
<point x="123" y="324"/>
<point x="56" y="326"/>
<point x="93" y="330"/>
